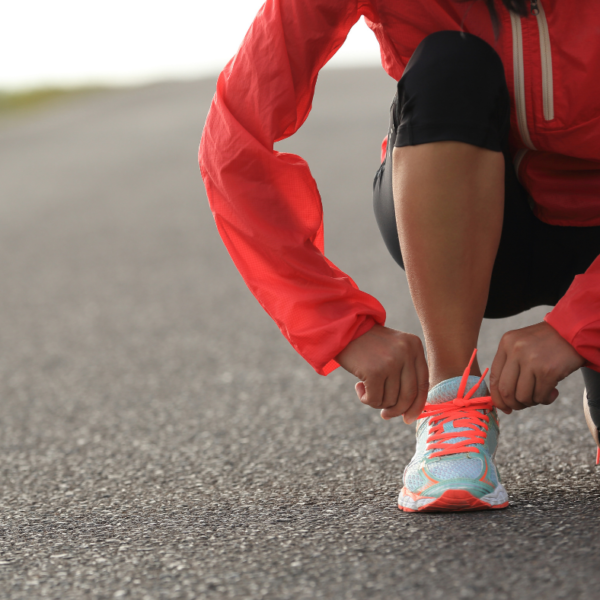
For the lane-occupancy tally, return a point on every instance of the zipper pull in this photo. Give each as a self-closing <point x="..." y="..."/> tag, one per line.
<point x="534" y="8"/>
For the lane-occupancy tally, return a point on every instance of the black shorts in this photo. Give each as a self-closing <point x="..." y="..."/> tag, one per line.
<point x="454" y="88"/>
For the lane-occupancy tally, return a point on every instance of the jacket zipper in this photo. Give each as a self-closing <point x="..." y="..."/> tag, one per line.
<point x="519" y="74"/>
<point x="546" y="56"/>
<point x="519" y="70"/>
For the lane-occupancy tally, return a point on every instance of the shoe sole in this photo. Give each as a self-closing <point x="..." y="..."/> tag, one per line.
<point x="454" y="501"/>
<point x="588" y="419"/>
<point x="591" y="425"/>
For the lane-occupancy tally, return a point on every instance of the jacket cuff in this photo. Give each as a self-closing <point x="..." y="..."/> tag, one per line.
<point x="365" y="326"/>
<point x="576" y="318"/>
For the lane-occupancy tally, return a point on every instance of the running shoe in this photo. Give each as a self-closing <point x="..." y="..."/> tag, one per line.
<point x="591" y="405"/>
<point x="457" y="435"/>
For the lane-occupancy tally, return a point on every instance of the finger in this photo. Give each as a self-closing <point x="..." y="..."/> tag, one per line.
<point x="545" y="391"/>
<point x="390" y="413"/>
<point x="422" y="372"/>
<point x="373" y="392"/>
<point x="422" y="377"/>
<point x="507" y="386"/>
<point x="495" y="374"/>
<point x="408" y="388"/>
<point x="361" y="390"/>
<point x="399" y="406"/>
<point x="391" y="391"/>
<point x="550" y="398"/>
<point x="525" y="388"/>
<point x="553" y="396"/>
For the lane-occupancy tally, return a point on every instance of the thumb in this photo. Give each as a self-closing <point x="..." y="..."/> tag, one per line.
<point x="361" y="390"/>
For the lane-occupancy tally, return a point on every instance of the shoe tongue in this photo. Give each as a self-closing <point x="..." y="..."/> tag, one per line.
<point x="447" y="390"/>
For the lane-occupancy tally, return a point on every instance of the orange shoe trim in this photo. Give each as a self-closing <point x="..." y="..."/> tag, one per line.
<point x="483" y="477"/>
<point x="453" y="501"/>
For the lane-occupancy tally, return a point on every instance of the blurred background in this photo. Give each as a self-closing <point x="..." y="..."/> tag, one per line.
<point x="82" y="43"/>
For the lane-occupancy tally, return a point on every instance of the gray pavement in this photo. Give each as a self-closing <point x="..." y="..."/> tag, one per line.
<point x="160" y="439"/>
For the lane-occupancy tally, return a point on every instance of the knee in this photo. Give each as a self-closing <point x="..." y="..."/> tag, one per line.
<point x="455" y="60"/>
<point x="454" y="85"/>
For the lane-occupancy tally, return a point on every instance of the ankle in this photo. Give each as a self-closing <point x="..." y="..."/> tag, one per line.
<point x="439" y="374"/>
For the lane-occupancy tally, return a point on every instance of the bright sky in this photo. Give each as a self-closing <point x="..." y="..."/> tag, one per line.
<point x="78" y="42"/>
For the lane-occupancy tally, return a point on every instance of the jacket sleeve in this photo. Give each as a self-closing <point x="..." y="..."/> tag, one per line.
<point x="576" y="317"/>
<point x="266" y="204"/>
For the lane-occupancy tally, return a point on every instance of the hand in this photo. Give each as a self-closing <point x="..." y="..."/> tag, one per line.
<point x="528" y="365"/>
<point x="392" y="370"/>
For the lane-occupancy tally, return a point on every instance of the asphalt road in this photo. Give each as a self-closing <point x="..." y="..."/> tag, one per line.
<point x="160" y="439"/>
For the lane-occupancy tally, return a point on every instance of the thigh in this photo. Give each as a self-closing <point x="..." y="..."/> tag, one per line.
<point x="536" y="262"/>
<point x="511" y="287"/>
<point x="383" y="196"/>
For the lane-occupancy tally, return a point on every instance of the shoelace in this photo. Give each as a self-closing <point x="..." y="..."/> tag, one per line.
<point x="464" y="412"/>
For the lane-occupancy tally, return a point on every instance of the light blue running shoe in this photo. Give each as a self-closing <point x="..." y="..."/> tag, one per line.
<point x="457" y="435"/>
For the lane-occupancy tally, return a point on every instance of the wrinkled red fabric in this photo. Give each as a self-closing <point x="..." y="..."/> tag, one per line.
<point x="577" y="315"/>
<point x="266" y="204"/>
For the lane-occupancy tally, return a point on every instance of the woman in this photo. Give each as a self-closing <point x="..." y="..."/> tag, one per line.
<point x="489" y="197"/>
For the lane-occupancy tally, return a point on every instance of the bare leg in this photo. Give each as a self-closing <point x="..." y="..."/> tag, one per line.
<point x="449" y="201"/>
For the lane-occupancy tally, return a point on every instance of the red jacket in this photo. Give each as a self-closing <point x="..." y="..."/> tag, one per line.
<point x="266" y="204"/>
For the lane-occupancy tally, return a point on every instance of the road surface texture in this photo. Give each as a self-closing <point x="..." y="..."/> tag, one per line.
<point x="160" y="439"/>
